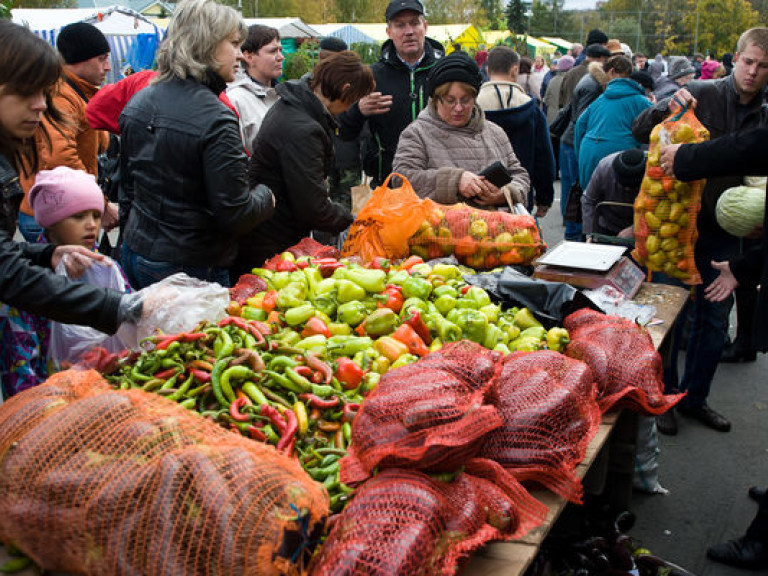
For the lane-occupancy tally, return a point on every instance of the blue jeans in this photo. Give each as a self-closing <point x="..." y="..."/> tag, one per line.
<point x="709" y="326"/>
<point x="30" y="229"/>
<point x="142" y="272"/>
<point x="569" y="175"/>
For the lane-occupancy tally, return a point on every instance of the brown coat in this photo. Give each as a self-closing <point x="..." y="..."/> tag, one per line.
<point x="433" y="155"/>
<point x="74" y="143"/>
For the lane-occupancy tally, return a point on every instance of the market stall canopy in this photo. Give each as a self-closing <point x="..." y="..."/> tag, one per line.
<point x="466" y="35"/>
<point x="562" y="44"/>
<point x="538" y="47"/>
<point x="156" y="8"/>
<point x="127" y="31"/>
<point x="347" y="32"/>
<point x="288" y="27"/>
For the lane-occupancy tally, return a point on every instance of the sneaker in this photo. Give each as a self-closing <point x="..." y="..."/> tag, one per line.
<point x="706" y="416"/>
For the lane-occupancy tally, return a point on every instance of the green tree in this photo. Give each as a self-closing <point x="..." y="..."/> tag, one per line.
<point x="454" y="11"/>
<point x="719" y="24"/>
<point x="548" y="18"/>
<point x="493" y="13"/>
<point x="516" y="20"/>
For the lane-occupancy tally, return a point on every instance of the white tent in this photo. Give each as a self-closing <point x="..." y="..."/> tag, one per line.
<point x="347" y="32"/>
<point x="120" y="25"/>
<point x="288" y="27"/>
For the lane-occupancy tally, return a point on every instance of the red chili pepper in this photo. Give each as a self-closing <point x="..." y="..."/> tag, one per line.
<point x="408" y="336"/>
<point x="348" y="373"/>
<point x="360" y="330"/>
<point x="269" y="302"/>
<point x="464" y="289"/>
<point x="234" y="409"/>
<point x="200" y="365"/>
<point x="292" y="425"/>
<point x="305" y="371"/>
<point x="317" y="402"/>
<point x="416" y="322"/>
<point x="165" y="374"/>
<point x="201" y="375"/>
<point x="349" y="411"/>
<point x="316" y="364"/>
<point x="164" y="342"/>
<point x="410" y="262"/>
<point x="236" y="320"/>
<point x="256" y="434"/>
<point x="394" y="298"/>
<point x="193" y="337"/>
<point x="257" y="333"/>
<point x="326" y="266"/>
<point x="316" y="377"/>
<point x="275" y="417"/>
<point x="315" y="325"/>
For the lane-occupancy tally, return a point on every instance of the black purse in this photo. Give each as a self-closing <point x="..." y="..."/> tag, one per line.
<point x="573" y="206"/>
<point x="560" y="123"/>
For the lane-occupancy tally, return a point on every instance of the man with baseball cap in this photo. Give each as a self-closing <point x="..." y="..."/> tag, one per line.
<point x="401" y="75"/>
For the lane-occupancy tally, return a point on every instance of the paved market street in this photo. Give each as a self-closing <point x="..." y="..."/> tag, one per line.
<point x="707" y="472"/>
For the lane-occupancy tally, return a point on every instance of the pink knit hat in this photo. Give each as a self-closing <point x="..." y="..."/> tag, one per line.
<point x="62" y="192"/>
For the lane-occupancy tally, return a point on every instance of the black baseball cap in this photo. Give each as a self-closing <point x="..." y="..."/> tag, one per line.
<point x="397" y="6"/>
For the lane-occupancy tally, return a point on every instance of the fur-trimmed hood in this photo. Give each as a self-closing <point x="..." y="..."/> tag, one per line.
<point x="595" y="69"/>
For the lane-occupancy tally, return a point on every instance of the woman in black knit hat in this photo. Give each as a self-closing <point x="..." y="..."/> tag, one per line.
<point x="442" y="152"/>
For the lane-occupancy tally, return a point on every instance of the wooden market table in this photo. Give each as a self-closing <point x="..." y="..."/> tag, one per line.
<point x="513" y="558"/>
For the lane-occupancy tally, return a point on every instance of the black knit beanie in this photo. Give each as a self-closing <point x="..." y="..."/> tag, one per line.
<point x="456" y="67"/>
<point x="332" y="44"/>
<point x="596" y="37"/>
<point x="629" y="167"/>
<point x="81" y="41"/>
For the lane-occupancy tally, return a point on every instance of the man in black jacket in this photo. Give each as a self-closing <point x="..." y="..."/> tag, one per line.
<point x="724" y="106"/>
<point x="735" y="155"/>
<point x="401" y="76"/>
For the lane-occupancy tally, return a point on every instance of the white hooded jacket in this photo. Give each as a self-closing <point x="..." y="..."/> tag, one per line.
<point x="251" y="100"/>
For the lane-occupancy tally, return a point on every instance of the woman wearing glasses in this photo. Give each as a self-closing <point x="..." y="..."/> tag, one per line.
<point x="442" y="152"/>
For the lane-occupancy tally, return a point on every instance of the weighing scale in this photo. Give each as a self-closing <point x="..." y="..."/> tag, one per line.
<point x="590" y="266"/>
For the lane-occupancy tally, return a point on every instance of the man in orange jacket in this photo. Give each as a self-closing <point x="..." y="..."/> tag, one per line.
<point x="74" y="143"/>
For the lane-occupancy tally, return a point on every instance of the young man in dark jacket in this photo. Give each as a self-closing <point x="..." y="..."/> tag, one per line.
<point x="724" y="106"/>
<point x="401" y="92"/>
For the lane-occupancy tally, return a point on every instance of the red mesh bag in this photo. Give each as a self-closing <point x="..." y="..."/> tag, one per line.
<point x="403" y="522"/>
<point x="305" y="247"/>
<point x="100" y="481"/>
<point x="429" y="415"/>
<point x="481" y="239"/>
<point x="550" y="412"/>
<point x="623" y="359"/>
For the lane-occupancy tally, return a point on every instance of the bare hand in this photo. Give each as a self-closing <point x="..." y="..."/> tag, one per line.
<point x="667" y="159"/>
<point x="471" y="185"/>
<point x="110" y="218"/>
<point x="723" y="285"/>
<point x="489" y="194"/>
<point x="76" y="259"/>
<point x="685" y="97"/>
<point x="541" y="211"/>
<point x="628" y="232"/>
<point x="375" y="103"/>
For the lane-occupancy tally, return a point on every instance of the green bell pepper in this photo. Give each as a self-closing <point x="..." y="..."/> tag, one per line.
<point x="492" y="336"/>
<point x="447" y="331"/>
<point x="535" y="332"/>
<point x="316" y="343"/>
<point x="325" y="286"/>
<point x="466" y="304"/>
<point x="491" y="312"/>
<point x="557" y="339"/>
<point x="281" y="279"/>
<point x="404" y="360"/>
<point x="299" y="315"/>
<point x="313" y="277"/>
<point x="292" y="295"/>
<point x="473" y="324"/>
<point x="326" y="303"/>
<point x="445" y="289"/>
<point x="348" y="345"/>
<point x="351" y="313"/>
<point x="447" y="271"/>
<point x="373" y="281"/>
<point x="417" y="303"/>
<point x="526" y="344"/>
<point x="479" y="295"/>
<point x="503" y="348"/>
<point x="381" y="322"/>
<point x="445" y="303"/>
<point x="416" y="287"/>
<point x="398" y="277"/>
<point x="339" y="329"/>
<point x="251" y="313"/>
<point x="525" y="319"/>
<point x="349" y="291"/>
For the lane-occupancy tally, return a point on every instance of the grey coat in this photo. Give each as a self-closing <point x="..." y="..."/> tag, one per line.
<point x="433" y="155"/>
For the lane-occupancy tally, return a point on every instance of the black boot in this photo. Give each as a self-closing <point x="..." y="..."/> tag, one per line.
<point x="742" y="553"/>
<point x="737" y="352"/>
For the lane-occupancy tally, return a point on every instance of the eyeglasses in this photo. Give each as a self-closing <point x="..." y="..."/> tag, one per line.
<point x="451" y="102"/>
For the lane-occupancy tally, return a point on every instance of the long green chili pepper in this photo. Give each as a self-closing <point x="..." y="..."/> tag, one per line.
<point x="218" y="370"/>
<point x="223" y="345"/>
<point x="283" y="381"/>
<point x="234" y="373"/>
<point x="188" y="403"/>
<point x="183" y="389"/>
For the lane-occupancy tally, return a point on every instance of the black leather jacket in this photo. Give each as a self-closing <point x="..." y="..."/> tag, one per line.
<point x="185" y="189"/>
<point x="27" y="281"/>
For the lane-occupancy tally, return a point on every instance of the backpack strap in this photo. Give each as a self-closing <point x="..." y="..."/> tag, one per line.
<point x="76" y="88"/>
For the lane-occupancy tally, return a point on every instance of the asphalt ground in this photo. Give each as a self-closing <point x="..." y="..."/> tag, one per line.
<point x="706" y="472"/>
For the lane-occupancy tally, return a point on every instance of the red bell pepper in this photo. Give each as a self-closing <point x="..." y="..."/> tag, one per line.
<point x="379" y="263"/>
<point x="286" y="266"/>
<point x="269" y="302"/>
<point x="416" y="322"/>
<point x="410" y="338"/>
<point x="394" y="298"/>
<point x="410" y="262"/>
<point x="348" y="373"/>
<point x="315" y="325"/>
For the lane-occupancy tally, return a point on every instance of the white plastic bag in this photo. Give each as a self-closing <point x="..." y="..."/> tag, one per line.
<point x="70" y="341"/>
<point x="177" y="303"/>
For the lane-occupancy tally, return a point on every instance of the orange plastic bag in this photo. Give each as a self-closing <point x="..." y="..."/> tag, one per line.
<point x="386" y="222"/>
<point x="666" y="209"/>
<point x="480" y="239"/>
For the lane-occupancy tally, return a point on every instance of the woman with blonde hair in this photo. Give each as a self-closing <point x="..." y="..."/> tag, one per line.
<point x="185" y="199"/>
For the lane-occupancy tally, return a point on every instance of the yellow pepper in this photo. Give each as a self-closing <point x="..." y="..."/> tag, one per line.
<point x="300" y="409"/>
<point x="390" y="348"/>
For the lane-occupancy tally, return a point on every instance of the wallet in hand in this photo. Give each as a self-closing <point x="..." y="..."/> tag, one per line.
<point x="497" y="174"/>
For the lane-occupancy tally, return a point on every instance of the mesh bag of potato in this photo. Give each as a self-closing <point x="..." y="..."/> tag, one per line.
<point x="101" y="481"/>
<point x="666" y="209"/>
<point x="480" y="239"/>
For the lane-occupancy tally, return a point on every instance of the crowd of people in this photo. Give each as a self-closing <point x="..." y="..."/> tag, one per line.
<point x="222" y="166"/>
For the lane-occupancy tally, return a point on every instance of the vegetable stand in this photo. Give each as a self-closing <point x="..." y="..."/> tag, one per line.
<point x="513" y="558"/>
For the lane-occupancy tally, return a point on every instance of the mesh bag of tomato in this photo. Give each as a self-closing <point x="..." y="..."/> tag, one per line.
<point x="480" y="239"/>
<point x="101" y="481"/>
<point x="666" y="209"/>
<point x="626" y="366"/>
<point x="548" y="403"/>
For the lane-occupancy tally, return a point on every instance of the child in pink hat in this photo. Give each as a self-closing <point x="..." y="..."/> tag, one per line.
<point x="68" y="204"/>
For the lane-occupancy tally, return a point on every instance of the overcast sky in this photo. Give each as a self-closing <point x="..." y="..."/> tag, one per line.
<point x="579" y="4"/>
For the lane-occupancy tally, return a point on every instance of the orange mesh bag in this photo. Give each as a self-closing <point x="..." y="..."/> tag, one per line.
<point x="99" y="481"/>
<point x="549" y="406"/>
<point x="666" y="209"/>
<point x="403" y="522"/>
<point x="480" y="239"/>
<point x="429" y="415"/>
<point x="623" y="359"/>
<point x="385" y="223"/>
